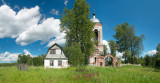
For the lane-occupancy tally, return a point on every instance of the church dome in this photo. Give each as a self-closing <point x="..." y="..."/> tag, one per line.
<point x="94" y="19"/>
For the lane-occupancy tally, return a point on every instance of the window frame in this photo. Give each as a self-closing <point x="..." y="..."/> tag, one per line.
<point x="59" y="61"/>
<point x="51" y="62"/>
<point x="52" y="51"/>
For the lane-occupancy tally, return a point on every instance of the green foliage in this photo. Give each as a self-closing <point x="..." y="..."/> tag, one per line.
<point x="127" y="54"/>
<point x="38" y="61"/>
<point x="148" y="60"/>
<point x="105" y="50"/>
<point x="78" y="28"/>
<point x="143" y="63"/>
<point x="152" y="60"/>
<point x="7" y="64"/>
<point x="96" y="42"/>
<point x="113" y="48"/>
<point x="110" y="62"/>
<point x="25" y="59"/>
<point x="127" y="40"/>
<point x="42" y="56"/>
<point x="158" y="50"/>
<point x="75" y="56"/>
<point x="157" y="63"/>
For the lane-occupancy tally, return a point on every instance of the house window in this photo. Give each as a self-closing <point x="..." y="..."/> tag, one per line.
<point x="51" y="62"/>
<point x="53" y="51"/>
<point x="59" y="63"/>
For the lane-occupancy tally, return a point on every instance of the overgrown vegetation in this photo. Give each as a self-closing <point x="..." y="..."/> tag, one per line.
<point x="126" y="74"/>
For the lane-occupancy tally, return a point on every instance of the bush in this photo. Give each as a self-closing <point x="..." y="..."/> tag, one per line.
<point x="37" y="61"/>
<point x="25" y="59"/>
<point x="143" y="63"/>
<point x="75" y="56"/>
<point x="157" y="63"/>
<point x="109" y="62"/>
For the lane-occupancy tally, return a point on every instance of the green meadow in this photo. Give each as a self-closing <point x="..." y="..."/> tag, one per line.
<point x="125" y="74"/>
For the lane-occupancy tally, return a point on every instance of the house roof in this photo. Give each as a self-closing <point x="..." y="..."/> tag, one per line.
<point x="55" y="55"/>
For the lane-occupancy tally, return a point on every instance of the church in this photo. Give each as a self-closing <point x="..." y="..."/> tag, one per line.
<point x="56" y="58"/>
<point x="97" y="59"/>
<point x="99" y="42"/>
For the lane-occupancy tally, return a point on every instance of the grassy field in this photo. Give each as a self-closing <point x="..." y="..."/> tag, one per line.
<point x="126" y="74"/>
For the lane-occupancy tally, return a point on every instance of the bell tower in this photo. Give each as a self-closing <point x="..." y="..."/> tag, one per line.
<point x="98" y="36"/>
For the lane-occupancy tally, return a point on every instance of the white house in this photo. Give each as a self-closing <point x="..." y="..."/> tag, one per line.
<point x="55" y="57"/>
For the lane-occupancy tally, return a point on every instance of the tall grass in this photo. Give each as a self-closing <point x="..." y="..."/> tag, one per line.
<point x="126" y="74"/>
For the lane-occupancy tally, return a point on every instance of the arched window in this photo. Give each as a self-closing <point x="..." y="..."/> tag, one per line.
<point x="96" y="35"/>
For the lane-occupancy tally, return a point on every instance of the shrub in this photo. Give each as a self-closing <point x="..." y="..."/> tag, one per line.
<point x="109" y="62"/>
<point x="143" y="62"/>
<point x="25" y="59"/>
<point x="37" y="61"/>
<point x="157" y="63"/>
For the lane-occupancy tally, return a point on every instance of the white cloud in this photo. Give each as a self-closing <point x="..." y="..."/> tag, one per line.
<point x="119" y="54"/>
<point x="107" y="45"/>
<point x="65" y="2"/>
<point x="26" y="52"/>
<point x="59" y="40"/>
<point x="27" y="27"/>
<point x="152" y="52"/>
<point x="16" y="7"/>
<point x="8" y="57"/>
<point x="48" y="29"/>
<point x="54" y="12"/>
<point x="12" y="23"/>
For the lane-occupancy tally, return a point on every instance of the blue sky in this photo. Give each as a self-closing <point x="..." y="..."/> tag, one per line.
<point x="46" y="14"/>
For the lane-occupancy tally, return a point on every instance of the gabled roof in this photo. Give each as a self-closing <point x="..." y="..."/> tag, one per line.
<point x="56" y="55"/>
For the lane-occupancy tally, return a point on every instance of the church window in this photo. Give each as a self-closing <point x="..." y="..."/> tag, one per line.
<point x="96" y="35"/>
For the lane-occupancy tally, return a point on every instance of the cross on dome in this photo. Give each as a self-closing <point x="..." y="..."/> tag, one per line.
<point x="94" y="19"/>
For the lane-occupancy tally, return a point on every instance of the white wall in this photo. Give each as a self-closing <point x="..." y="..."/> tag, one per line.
<point x="58" y="51"/>
<point x="64" y="64"/>
<point x="46" y="63"/>
<point x="92" y="59"/>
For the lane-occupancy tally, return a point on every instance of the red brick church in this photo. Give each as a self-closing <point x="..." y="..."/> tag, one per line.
<point x="97" y="59"/>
